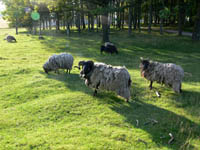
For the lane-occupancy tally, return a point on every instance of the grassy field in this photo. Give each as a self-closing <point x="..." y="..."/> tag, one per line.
<point x="57" y="111"/>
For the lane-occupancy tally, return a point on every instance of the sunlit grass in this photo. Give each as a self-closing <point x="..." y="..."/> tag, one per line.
<point x="57" y="111"/>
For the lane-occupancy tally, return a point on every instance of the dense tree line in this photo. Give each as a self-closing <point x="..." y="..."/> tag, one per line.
<point x="103" y="14"/>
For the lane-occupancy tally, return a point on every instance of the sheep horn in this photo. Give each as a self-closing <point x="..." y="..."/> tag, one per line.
<point x="77" y="67"/>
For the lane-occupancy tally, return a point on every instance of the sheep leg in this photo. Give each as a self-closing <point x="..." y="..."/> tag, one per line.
<point x="95" y="92"/>
<point x="180" y="89"/>
<point x="176" y="87"/>
<point x="150" y="86"/>
<point x="69" y="71"/>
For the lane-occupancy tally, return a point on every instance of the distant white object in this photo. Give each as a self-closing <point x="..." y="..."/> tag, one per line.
<point x="67" y="45"/>
<point x="3" y="23"/>
<point x="27" y="10"/>
<point x="2" y="7"/>
<point x="158" y="94"/>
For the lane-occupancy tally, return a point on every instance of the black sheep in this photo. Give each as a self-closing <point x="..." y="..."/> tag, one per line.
<point x="109" y="48"/>
<point x="10" y="38"/>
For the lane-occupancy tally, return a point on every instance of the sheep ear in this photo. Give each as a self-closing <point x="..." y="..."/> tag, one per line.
<point x="90" y="63"/>
<point x="141" y="58"/>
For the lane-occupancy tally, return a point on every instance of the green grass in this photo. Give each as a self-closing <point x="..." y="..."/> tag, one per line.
<point x="57" y="111"/>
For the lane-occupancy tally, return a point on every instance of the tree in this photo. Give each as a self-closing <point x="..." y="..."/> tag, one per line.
<point x="150" y="16"/>
<point x="163" y="14"/>
<point x="196" y="30"/>
<point x="103" y="10"/>
<point x="181" y="16"/>
<point x="130" y="17"/>
<point x="15" y="12"/>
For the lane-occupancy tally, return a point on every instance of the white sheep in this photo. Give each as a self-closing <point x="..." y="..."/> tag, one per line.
<point x="165" y="73"/>
<point x="106" y="77"/>
<point x="61" y="61"/>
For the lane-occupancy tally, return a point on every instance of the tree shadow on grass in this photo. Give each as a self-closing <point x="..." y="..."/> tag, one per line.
<point x="182" y="128"/>
<point x="72" y="81"/>
<point x="187" y="100"/>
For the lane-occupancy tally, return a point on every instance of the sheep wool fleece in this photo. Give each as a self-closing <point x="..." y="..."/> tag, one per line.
<point x="111" y="78"/>
<point x="165" y="73"/>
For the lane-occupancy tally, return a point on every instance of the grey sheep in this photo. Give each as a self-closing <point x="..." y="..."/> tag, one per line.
<point x="10" y="38"/>
<point x="61" y="61"/>
<point x="106" y="77"/>
<point x="164" y="73"/>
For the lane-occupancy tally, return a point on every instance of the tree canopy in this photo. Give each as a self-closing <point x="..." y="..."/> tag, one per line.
<point x="117" y="13"/>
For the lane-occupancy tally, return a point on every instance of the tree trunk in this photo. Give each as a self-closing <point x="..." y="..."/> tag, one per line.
<point x="16" y="26"/>
<point x="196" y="30"/>
<point x="49" y="23"/>
<point x="105" y="27"/>
<point x="150" y="17"/>
<point x="135" y="15"/>
<point x="146" y="13"/>
<point x="92" y="22"/>
<point x="130" y="18"/>
<point x="139" y="14"/>
<point x="99" y="22"/>
<point x="82" y="16"/>
<point x="78" y="23"/>
<point x="181" y="17"/>
<point x="118" y="16"/>
<point x="122" y="16"/>
<point x="68" y="29"/>
<point x="161" y="26"/>
<point x="40" y="26"/>
<point x="43" y="23"/>
<point x="34" y="27"/>
<point x="57" y="22"/>
<point x="89" y="19"/>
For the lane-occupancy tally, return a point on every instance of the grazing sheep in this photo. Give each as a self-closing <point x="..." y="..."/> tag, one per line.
<point x="108" y="48"/>
<point x="10" y="38"/>
<point x="168" y="73"/>
<point x="61" y="61"/>
<point x="106" y="77"/>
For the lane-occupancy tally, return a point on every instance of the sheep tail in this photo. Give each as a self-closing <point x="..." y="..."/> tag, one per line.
<point x="129" y="82"/>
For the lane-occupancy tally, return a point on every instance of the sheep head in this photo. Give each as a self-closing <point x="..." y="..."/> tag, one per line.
<point x="144" y="66"/>
<point x="144" y="63"/>
<point x="46" y="70"/>
<point x="87" y="68"/>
